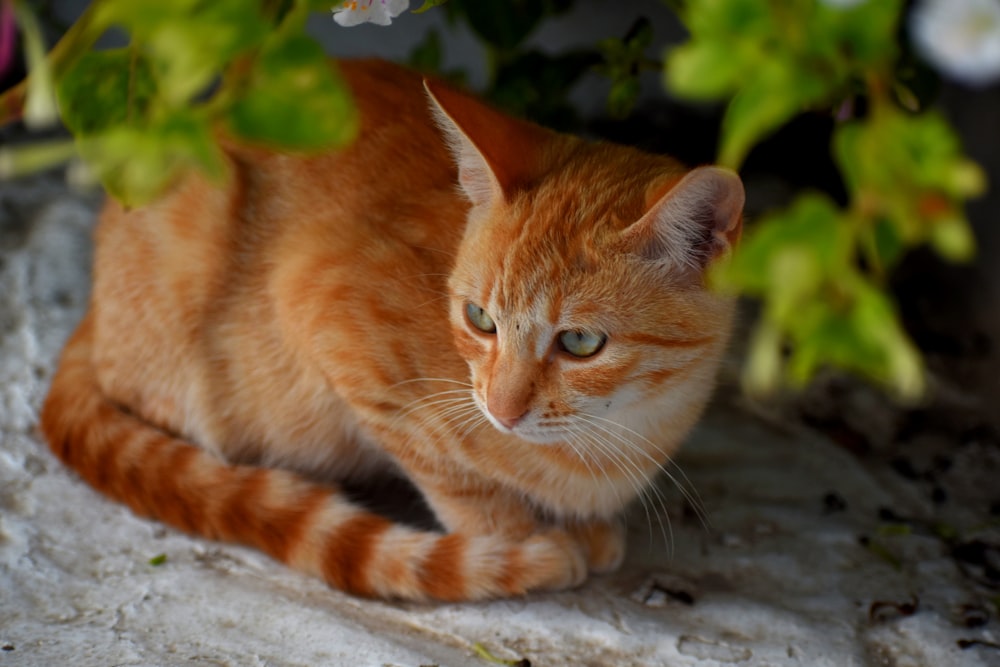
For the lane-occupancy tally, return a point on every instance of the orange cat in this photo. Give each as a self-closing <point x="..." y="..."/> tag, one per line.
<point x="526" y="337"/>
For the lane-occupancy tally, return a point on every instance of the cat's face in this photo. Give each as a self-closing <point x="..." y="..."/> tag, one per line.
<point x="566" y="331"/>
<point x="577" y="295"/>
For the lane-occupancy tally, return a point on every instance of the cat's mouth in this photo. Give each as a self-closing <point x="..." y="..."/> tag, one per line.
<point x="530" y="426"/>
<point x="529" y="429"/>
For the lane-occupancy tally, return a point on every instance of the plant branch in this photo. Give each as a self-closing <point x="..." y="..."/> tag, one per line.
<point x="78" y="39"/>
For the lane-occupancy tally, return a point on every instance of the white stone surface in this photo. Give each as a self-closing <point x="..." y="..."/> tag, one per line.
<point x="773" y="581"/>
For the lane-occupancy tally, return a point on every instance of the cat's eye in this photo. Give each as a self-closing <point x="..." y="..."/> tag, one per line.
<point x="582" y="343"/>
<point x="480" y="319"/>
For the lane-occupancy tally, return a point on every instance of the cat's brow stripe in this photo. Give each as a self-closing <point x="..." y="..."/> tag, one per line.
<point x="660" y="341"/>
<point x="658" y="376"/>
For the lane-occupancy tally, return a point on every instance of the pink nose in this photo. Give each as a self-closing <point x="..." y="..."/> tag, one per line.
<point x="509" y="421"/>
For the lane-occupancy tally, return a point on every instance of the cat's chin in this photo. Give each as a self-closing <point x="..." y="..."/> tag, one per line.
<point x="534" y="435"/>
<point x="547" y="437"/>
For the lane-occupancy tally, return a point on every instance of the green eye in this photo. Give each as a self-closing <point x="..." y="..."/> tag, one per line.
<point x="480" y="319"/>
<point x="582" y="343"/>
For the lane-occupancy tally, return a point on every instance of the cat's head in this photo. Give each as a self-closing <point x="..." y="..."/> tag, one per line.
<point x="578" y="296"/>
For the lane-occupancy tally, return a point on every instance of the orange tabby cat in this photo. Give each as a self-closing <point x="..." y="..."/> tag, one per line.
<point x="526" y="337"/>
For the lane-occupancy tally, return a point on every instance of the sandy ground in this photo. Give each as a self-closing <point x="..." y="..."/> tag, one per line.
<point x="813" y="555"/>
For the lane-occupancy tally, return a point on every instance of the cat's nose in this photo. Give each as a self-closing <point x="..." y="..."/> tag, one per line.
<point x="509" y="421"/>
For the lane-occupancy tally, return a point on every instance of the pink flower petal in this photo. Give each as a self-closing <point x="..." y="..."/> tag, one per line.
<point x="8" y="35"/>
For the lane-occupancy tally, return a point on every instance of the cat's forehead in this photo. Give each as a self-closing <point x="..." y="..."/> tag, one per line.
<point x="544" y="289"/>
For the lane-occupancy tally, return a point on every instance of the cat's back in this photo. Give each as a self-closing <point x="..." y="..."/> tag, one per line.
<point x="175" y="278"/>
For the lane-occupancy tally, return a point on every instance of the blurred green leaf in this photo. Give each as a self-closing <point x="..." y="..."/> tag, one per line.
<point x="426" y="56"/>
<point x="864" y="32"/>
<point x="777" y="59"/>
<point x="702" y="71"/>
<point x="136" y="165"/>
<point x="762" y="373"/>
<point x="536" y="85"/>
<point x="952" y="239"/>
<point x="623" y="96"/>
<point x="812" y="225"/>
<point x="909" y="171"/>
<point x="818" y="303"/>
<point x="428" y="4"/>
<point x="190" y="42"/>
<point x="887" y="246"/>
<point x="503" y="23"/>
<point x="623" y="61"/>
<point x="762" y="104"/>
<point x="294" y="99"/>
<point x="105" y="89"/>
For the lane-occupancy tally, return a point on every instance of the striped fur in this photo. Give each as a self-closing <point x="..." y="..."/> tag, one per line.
<point x="251" y="345"/>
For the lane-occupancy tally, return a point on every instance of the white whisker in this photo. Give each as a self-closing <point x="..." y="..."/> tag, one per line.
<point x="683" y="484"/>
<point x="648" y="494"/>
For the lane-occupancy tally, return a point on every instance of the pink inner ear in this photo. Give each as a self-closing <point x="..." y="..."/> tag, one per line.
<point x="691" y="220"/>
<point x="512" y="149"/>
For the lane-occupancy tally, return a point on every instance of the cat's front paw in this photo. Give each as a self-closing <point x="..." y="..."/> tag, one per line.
<point x="603" y="543"/>
<point x="553" y="560"/>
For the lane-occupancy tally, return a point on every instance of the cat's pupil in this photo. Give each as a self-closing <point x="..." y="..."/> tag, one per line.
<point x="582" y="343"/>
<point x="479" y="318"/>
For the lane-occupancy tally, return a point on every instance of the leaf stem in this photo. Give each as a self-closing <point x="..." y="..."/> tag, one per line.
<point x="78" y="39"/>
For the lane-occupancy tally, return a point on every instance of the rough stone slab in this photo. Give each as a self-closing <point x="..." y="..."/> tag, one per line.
<point x="777" y="578"/>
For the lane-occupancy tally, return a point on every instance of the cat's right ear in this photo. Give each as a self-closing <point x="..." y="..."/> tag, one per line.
<point x="696" y="220"/>
<point x="496" y="154"/>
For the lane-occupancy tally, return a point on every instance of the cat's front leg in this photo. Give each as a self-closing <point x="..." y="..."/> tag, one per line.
<point x="492" y="510"/>
<point x="603" y="542"/>
<point x="596" y="546"/>
<point x="479" y="507"/>
<point x="540" y="556"/>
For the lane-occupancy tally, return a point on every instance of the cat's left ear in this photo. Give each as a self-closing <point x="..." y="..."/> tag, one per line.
<point x="496" y="154"/>
<point x="696" y="221"/>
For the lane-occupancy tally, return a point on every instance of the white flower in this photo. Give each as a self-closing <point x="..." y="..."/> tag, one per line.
<point x="959" y="37"/>
<point x="379" y="12"/>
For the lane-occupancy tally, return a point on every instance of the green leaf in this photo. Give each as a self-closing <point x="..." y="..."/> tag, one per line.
<point x="866" y="32"/>
<point x="887" y="244"/>
<point x="702" y="71"/>
<point x="762" y="371"/>
<point x="321" y="5"/>
<point x="812" y="225"/>
<point x="294" y="99"/>
<point x="106" y="89"/>
<point x="728" y="19"/>
<point x="503" y="23"/>
<point x="623" y="96"/>
<point x="426" y="56"/>
<point x="428" y="4"/>
<point x="135" y="165"/>
<point x="875" y="323"/>
<point x="190" y="42"/>
<point x="909" y="171"/>
<point x="953" y="240"/>
<point x="536" y="85"/>
<point x="777" y="93"/>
